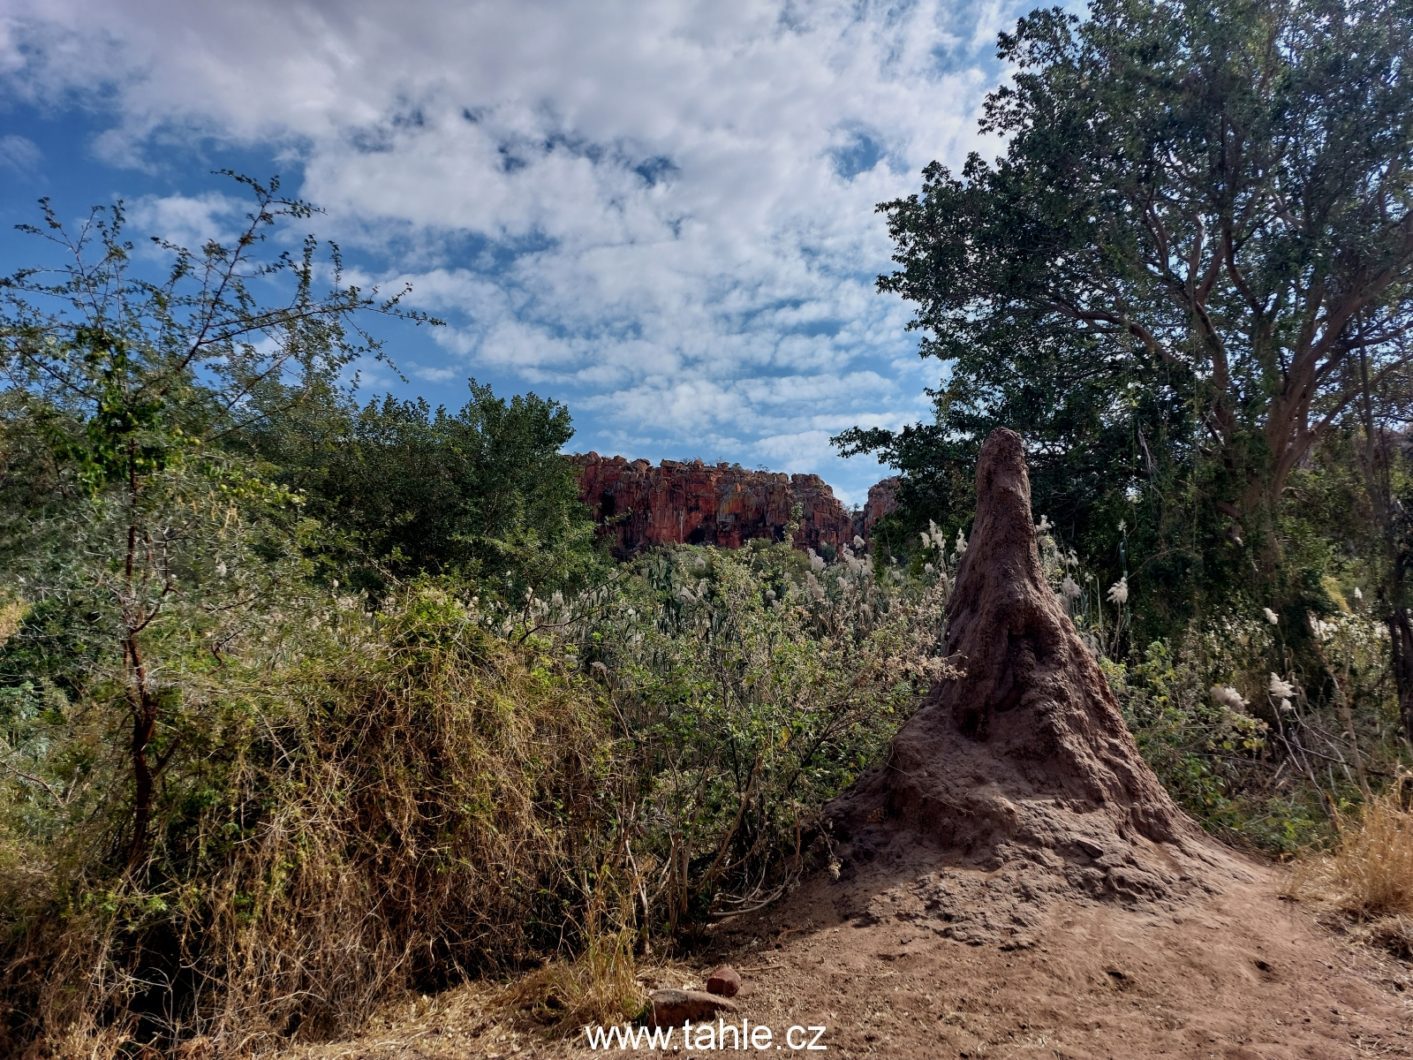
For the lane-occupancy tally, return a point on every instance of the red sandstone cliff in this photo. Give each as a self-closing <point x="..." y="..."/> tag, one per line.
<point x="637" y="504"/>
<point x="882" y="500"/>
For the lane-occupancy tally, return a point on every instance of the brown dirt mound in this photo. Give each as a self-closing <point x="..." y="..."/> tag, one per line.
<point x="1025" y="758"/>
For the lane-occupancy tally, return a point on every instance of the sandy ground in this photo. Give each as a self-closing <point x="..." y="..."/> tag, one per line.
<point x="912" y="961"/>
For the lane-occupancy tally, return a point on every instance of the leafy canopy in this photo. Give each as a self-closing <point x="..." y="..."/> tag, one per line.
<point x="1193" y="256"/>
<point x="484" y="492"/>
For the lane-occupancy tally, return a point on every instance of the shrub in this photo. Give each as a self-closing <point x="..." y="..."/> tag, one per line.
<point x="750" y="687"/>
<point x="366" y="800"/>
<point x="404" y="799"/>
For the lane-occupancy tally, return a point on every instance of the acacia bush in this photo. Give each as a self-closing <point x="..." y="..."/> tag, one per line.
<point x="380" y="800"/>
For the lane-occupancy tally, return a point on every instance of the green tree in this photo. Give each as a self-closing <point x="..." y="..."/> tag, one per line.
<point x="483" y="493"/>
<point x="121" y="389"/>
<point x="1195" y="247"/>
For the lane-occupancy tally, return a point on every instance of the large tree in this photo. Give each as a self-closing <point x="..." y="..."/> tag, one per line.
<point x="1194" y="254"/>
<point x="484" y="492"/>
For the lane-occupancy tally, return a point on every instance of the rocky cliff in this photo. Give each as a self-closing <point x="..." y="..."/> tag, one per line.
<point x="638" y="504"/>
<point x="882" y="500"/>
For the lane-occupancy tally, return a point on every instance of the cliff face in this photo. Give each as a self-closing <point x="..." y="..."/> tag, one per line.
<point x="638" y="504"/>
<point x="882" y="500"/>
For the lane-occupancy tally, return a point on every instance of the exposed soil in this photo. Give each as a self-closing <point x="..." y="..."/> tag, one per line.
<point x="911" y="960"/>
<point x="1014" y="882"/>
<point x="906" y="959"/>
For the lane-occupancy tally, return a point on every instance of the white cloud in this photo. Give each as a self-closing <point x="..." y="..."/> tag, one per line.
<point x="190" y="221"/>
<point x="798" y="451"/>
<point x="18" y="153"/>
<point x="672" y="202"/>
<point x="434" y="374"/>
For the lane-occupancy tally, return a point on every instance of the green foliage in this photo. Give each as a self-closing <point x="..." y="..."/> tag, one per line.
<point x="1190" y="264"/>
<point x="753" y="686"/>
<point x="1258" y="768"/>
<point x="483" y="493"/>
<point x="1185" y="735"/>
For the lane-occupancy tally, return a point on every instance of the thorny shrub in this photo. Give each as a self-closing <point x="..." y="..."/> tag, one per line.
<point x="751" y="686"/>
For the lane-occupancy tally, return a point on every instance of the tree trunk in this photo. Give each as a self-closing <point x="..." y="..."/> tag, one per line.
<point x="1393" y="525"/>
<point x="144" y="724"/>
<point x="1400" y="632"/>
<point x="141" y="701"/>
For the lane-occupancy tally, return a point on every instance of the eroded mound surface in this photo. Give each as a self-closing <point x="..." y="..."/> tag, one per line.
<point x="1025" y="758"/>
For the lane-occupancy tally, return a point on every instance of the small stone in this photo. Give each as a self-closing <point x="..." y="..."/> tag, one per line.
<point x="672" y="1008"/>
<point x="724" y="981"/>
<point x="1093" y="849"/>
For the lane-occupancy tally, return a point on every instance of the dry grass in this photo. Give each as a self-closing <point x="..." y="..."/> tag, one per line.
<point x="417" y="809"/>
<point x="599" y="986"/>
<point x="1369" y="874"/>
<point x="489" y="1018"/>
<point x="1391" y="933"/>
<point x="12" y="613"/>
<point x="1371" y="869"/>
<point x="467" y="1020"/>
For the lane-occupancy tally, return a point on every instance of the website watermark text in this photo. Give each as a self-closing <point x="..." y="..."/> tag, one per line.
<point x="719" y="1036"/>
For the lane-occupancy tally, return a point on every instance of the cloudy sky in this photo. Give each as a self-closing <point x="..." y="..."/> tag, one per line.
<point x="658" y="212"/>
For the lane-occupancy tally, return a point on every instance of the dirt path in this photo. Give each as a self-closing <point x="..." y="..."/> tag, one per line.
<point x="905" y="961"/>
<point x="892" y="971"/>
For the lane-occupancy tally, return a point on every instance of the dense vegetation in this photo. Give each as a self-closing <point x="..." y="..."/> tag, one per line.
<point x="303" y="703"/>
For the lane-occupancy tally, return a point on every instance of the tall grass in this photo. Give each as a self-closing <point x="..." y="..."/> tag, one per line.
<point x="414" y="804"/>
<point x="1370" y="871"/>
<point x="1367" y="876"/>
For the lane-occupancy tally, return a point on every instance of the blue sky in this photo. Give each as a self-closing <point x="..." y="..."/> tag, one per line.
<point x="659" y="213"/>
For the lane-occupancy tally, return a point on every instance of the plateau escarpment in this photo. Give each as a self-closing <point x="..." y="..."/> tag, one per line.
<point x="637" y="504"/>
